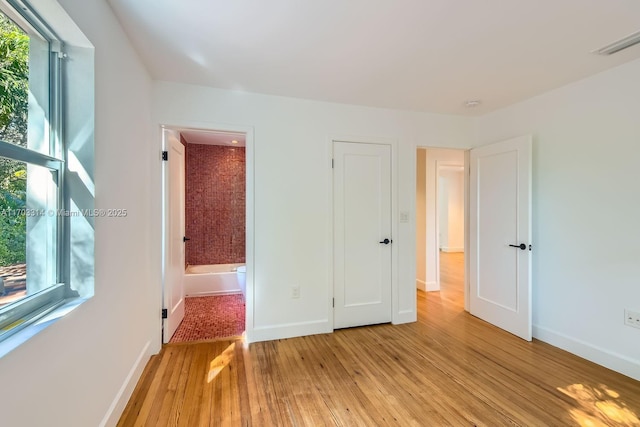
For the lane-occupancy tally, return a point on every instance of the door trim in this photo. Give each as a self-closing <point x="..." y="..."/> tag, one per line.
<point x="397" y="315"/>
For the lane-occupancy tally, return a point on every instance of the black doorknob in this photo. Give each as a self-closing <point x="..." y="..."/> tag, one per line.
<point x="184" y="239"/>
<point x="386" y="241"/>
<point x="521" y="246"/>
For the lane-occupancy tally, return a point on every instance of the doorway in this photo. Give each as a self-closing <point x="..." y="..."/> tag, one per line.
<point x="440" y="204"/>
<point x="497" y="279"/>
<point x="211" y="280"/>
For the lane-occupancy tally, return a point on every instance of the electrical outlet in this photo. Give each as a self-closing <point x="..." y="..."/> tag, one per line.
<point x="632" y="318"/>
<point x="295" y="292"/>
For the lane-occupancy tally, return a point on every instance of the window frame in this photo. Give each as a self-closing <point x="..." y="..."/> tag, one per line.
<point x="26" y="311"/>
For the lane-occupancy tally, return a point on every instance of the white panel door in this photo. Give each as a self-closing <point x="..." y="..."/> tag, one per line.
<point x="362" y="222"/>
<point x="500" y="235"/>
<point x="174" y="267"/>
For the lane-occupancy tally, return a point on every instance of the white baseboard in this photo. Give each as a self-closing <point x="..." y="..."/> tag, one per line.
<point x="427" y="286"/>
<point x="601" y="356"/>
<point x="116" y="408"/>
<point x="432" y="286"/>
<point x="277" y="332"/>
<point x="452" y="249"/>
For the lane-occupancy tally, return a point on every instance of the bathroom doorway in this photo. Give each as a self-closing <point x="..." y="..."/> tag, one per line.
<point x="213" y="277"/>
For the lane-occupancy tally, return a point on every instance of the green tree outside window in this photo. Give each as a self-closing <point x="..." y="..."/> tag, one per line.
<point x="14" y="80"/>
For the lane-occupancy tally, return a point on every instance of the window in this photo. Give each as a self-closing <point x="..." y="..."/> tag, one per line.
<point x="33" y="249"/>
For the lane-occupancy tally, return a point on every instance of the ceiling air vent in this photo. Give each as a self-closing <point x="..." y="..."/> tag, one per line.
<point x="618" y="45"/>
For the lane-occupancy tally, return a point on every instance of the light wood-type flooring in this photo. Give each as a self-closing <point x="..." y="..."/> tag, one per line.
<point x="449" y="368"/>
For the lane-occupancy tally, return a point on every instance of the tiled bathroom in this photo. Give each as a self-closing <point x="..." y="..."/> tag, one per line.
<point x="215" y="199"/>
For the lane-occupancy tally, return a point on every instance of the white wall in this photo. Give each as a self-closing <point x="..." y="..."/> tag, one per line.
<point x="586" y="267"/>
<point x="451" y="210"/>
<point x="73" y="371"/>
<point x="443" y="210"/>
<point x="292" y="192"/>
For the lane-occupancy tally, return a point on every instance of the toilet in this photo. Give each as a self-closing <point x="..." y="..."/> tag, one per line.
<point x="241" y="273"/>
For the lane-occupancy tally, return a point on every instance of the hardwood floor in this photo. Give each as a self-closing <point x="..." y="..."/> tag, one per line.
<point x="448" y="368"/>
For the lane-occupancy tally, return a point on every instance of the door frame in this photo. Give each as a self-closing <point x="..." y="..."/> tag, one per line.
<point x="396" y="315"/>
<point x="249" y="210"/>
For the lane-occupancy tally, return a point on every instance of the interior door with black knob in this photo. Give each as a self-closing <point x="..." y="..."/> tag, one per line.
<point x="500" y="234"/>
<point x="362" y="234"/>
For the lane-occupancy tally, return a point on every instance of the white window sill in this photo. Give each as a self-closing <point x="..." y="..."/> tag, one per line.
<point x="29" y="331"/>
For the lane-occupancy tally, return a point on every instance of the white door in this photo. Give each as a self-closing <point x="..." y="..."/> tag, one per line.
<point x="174" y="264"/>
<point x="362" y="222"/>
<point x="500" y="235"/>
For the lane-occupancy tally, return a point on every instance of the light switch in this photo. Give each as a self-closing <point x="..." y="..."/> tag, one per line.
<point x="404" y="216"/>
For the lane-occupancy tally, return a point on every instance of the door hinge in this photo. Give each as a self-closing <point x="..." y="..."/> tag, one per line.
<point x="333" y="302"/>
<point x="331" y="163"/>
<point x="165" y="155"/>
<point x="164" y="313"/>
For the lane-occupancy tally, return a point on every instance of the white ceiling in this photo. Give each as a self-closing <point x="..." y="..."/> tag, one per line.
<point x="423" y="55"/>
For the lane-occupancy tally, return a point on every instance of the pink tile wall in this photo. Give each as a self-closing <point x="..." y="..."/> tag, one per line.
<point x="214" y="204"/>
